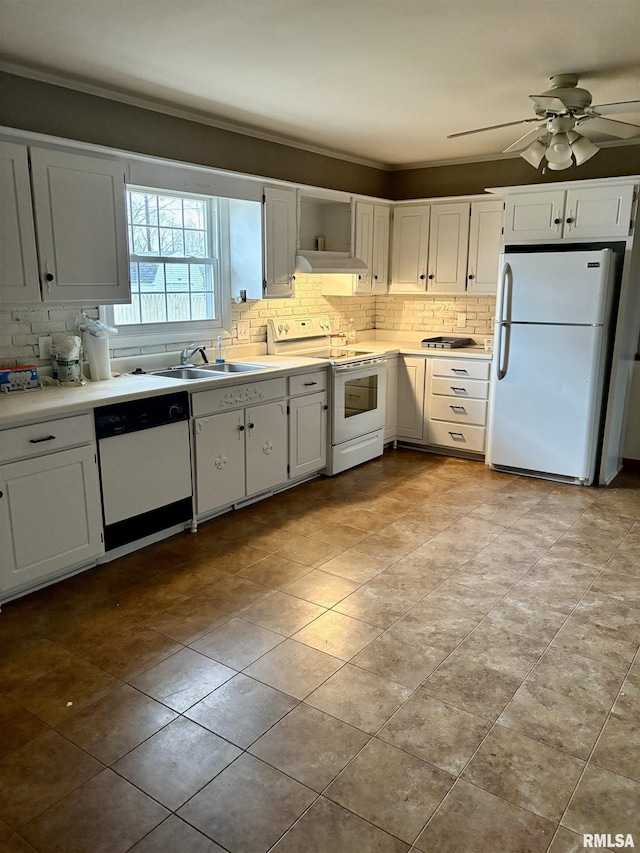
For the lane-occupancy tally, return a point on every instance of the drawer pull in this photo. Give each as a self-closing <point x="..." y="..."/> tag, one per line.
<point x="38" y="440"/>
<point x="458" y="390"/>
<point x="458" y="410"/>
<point x="310" y="383"/>
<point x="459" y="370"/>
<point x="457" y="436"/>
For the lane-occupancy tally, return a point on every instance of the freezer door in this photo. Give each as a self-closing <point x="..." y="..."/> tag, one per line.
<point x="545" y="412"/>
<point x="556" y="287"/>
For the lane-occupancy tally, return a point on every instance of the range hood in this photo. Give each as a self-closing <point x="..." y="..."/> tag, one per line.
<point x="325" y="263"/>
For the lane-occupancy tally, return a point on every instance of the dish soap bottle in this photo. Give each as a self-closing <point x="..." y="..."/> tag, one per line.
<point x="219" y="351"/>
<point x="351" y="333"/>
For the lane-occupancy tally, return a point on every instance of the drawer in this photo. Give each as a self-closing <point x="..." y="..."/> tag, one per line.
<point x="461" y="368"/>
<point x="236" y="396"/>
<point x="307" y="383"/>
<point x="459" y="411"/>
<point x="447" y="387"/>
<point x="48" y="437"/>
<point x="468" y="438"/>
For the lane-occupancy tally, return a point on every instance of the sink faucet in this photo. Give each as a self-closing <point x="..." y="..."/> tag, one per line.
<point x="191" y="350"/>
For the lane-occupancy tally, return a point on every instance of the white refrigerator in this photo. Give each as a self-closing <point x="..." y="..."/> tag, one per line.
<point x="550" y="360"/>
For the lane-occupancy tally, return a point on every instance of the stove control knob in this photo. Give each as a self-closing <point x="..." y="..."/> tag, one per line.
<point x="281" y="327"/>
<point x="286" y="328"/>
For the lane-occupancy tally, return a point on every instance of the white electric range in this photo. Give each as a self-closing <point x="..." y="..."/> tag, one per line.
<point x="357" y="391"/>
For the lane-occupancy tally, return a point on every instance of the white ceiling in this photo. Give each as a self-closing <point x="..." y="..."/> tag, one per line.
<point x="381" y="80"/>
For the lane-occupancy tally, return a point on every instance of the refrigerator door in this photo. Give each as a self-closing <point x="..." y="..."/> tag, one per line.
<point x="555" y="287"/>
<point x="544" y="413"/>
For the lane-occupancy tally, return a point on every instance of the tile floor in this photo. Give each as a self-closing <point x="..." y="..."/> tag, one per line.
<point x="419" y="654"/>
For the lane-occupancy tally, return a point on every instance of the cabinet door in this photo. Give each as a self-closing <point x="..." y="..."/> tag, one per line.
<point x="380" y="253"/>
<point x="364" y="244"/>
<point x="411" y="387"/>
<point x="410" y="246"/>
<point x="18" y="260"/>
<point x="266" y="440"/>
<point x="280" y="242"/>
<point x="448" y="245"/>
<point x="50" y="516"/>
<point x="307" y="434"/>
<point x="80" y="217"/>
<point x="392" y="400"/>
<point x="485" y="237"/>
<point x="598" y="212"/>
<point x="534" y="216"/>
<point x="219" y="460"/>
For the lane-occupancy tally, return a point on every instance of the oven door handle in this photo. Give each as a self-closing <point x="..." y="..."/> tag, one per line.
<point x="359" y="365"/>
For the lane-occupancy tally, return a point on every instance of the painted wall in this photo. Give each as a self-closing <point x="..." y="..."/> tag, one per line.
<point x="39" y="107"/>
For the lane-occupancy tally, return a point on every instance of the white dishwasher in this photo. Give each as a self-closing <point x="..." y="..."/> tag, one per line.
<point x="145" y="466"/>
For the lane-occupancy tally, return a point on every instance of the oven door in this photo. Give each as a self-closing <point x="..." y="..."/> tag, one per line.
<point x="359" y="399"/>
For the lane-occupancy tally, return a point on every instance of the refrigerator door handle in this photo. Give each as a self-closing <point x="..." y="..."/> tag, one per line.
<point x="502" y="355"/>
<point x="506" y="281"/>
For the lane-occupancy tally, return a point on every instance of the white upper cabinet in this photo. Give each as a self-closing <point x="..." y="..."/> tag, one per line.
<point x="580" y="213"/>
<point x="372" y="246"/>
<point x="380" y="254"/>
<point x="18" y="260"/>
<point x="79" y="205"/>
<point x="485" y="237"/>
<point x="448" y="245"/>
<point x="279" y="242"/>
<point x="410" y="248"/>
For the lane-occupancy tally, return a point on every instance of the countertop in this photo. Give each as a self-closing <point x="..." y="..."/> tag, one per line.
<point x="19" y="408"/>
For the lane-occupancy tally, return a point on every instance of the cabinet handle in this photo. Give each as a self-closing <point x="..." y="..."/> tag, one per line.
<point x="38" y="440"/>
<point x="431" y="276"/>
<point x="1" y="494"/>
<point x="457" y="436"/>
<point x="310" y="383"/>
<point x="556" y="221"/>
<point x="458" y="370"/>
<point x="458" y="409"/>
<point x="569" y="220"/>
<point x="471" y="276"/>
<point x="241" y="427"/>
<point x="49" y="276"/>
<point x="457" y="389"/>
<point x="376" y="277"/>
<point x="251" y="426"/>
<point x="325" y="407"/>
<point x="422" y="277"/>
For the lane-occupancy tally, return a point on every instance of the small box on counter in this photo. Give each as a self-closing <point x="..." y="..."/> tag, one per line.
<point x="19" y="378"/>
<point x="447" y="343"/>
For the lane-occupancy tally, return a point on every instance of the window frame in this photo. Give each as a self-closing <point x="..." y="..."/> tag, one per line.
<point x="179" y="331"/>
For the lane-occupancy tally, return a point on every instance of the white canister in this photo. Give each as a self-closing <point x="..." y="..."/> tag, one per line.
<point x="97" y="351"/>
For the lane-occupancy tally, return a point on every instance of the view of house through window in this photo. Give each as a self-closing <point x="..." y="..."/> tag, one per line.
<point x="174" y="259"/>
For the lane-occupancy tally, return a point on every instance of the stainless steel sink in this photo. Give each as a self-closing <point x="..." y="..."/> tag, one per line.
<point x="231" y="367"/>
<point x="182" y="373"/>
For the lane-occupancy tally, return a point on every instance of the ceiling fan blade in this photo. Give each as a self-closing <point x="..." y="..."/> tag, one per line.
<point x="549" y="103"/>
<point x="492" y="127"/>
<point x="521" y="143"/>
<point x="612" y="109"/>
<point x="621" y="129"/>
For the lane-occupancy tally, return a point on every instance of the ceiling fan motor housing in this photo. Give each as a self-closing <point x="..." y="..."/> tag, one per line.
<point x="565" y="88"/>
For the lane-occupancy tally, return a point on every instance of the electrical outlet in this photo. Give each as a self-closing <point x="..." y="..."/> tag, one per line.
<point x="44" y="347"/>
<point x="243" y="331"/>
<point x="461" y="321"/>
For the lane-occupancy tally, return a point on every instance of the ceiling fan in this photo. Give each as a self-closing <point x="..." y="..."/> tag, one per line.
<point x="563" y="113"/>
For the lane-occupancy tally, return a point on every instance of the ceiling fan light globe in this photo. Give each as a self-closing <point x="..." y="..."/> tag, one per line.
<point x="583" y="149"/>
<point x="534" y="153"/>
<point x="559" y="149"/>
<point x="557" y="167"/>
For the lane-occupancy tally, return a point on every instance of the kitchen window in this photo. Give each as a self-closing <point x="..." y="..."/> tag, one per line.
<point x="182" y="260"/>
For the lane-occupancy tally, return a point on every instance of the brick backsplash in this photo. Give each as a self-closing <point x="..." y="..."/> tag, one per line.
<point x="20" y="328"/>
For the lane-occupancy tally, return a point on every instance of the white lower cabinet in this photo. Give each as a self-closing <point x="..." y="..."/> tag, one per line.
<point x="410" y="406"/>
<point x="307" y="423"/>
<point x="391" y="419"/>
<point x="439" y="402"/>
<point x="457" y="392"/>
<point x="241" y="452"/>
<point x="50" y="508"/>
